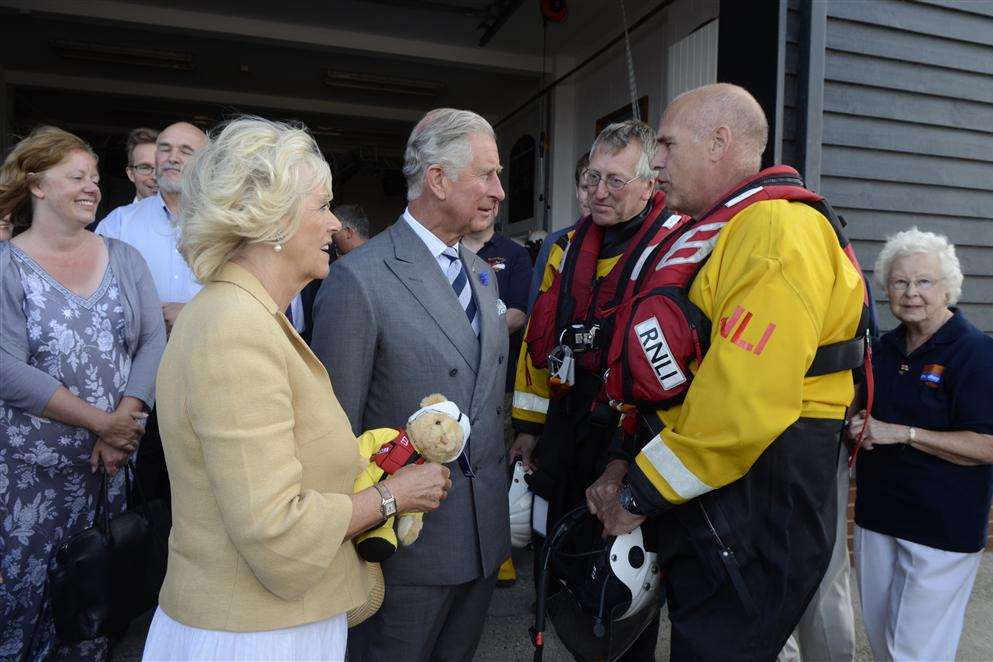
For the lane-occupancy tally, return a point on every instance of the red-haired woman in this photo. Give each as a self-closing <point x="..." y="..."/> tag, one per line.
<point x="81" y="336"/>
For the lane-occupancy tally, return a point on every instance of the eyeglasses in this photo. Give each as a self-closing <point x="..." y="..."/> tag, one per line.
<point x="592" y="178"/>
<point x="921" y="284"/>
<point x="142" y="169"/>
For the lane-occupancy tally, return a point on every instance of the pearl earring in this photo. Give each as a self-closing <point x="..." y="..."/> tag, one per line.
<point x="277" y="247"/>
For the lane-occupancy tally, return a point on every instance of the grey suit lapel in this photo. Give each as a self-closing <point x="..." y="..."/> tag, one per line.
<point x="417" y="269"/>
<point x="491" y="325"/>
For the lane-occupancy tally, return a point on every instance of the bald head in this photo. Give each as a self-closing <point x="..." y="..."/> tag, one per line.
<point x="710" y="139"/>
<point x="711" y="107"/>
<point x="174" y="146"/>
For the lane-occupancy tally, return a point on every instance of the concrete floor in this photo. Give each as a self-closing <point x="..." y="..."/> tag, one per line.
<point x="505" y="638"/>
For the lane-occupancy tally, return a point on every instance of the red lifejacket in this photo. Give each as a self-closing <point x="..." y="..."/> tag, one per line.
<point x="576" y="296"/>
<point x="397" y="454"/>
<point x="660" y="331"/>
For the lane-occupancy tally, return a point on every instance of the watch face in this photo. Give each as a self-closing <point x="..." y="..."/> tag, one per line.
<point x="627" y="500"/>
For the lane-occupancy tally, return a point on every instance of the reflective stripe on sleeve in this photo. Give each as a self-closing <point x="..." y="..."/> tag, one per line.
<point x="530" y="402"/>
<point x="681" y="479"/>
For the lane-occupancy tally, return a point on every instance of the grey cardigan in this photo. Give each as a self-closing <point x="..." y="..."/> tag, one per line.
<point x="28" y="388"/>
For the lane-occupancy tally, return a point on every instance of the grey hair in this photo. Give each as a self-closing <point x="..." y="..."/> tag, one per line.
<point x="619" y="135"/>
<point x="441" y="138"/>
<point x="914" y="241"/>
<point x="353" y="216"/>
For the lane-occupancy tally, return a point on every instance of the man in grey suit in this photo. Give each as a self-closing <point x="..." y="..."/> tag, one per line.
<point x="410" y="313"/>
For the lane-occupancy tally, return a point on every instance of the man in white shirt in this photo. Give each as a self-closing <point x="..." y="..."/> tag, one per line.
<point x="150" y="224"/>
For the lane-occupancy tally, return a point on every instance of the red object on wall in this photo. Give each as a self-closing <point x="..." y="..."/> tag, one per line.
<point x="554" y="11"/>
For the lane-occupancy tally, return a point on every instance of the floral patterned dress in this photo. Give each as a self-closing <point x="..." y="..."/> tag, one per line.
<point x="47" y="492"/>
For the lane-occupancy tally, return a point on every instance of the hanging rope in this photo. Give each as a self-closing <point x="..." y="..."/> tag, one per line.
<point x="632" y="86"/>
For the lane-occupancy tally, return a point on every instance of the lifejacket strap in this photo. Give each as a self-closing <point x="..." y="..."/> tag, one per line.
<point x="838" y="357"/>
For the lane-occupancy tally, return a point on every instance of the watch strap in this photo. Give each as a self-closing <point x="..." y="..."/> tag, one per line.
<point x="387" y="506"/>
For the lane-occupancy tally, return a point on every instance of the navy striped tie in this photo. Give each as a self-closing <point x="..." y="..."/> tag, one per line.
<point x="460" y="283"/>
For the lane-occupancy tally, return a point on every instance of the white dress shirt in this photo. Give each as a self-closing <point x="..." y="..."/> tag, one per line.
<point x="435" y="245"/>
<point x="148" y="226"/>
<point x="296" y="314"/>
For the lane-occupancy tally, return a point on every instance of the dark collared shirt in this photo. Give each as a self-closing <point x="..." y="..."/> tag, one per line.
<point x="511" y="263"/>
<point x="946" y="384"/>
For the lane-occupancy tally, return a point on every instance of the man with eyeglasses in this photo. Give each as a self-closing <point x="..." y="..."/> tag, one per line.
<point x="585" y="276"/>
<point x="141" y="162"/>
<point x="140" y="170"/>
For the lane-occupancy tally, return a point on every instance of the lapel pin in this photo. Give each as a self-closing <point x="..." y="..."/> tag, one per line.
<point x="484" y="278"/>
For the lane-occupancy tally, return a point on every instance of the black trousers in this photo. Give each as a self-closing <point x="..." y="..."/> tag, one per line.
<point x="572" y="451"/>
<point x="572" y="454"/>
<point x="742" y="562"/>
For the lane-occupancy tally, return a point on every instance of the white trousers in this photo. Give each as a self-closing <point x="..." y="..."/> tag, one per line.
<point x="913" y="596"/>
<point x="826" y="631"/>
<point x="169" y="640"/>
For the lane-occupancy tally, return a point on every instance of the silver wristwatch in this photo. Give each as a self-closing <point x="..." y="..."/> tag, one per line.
<point x="627" y="500"/>
<point x="388" y="505"/>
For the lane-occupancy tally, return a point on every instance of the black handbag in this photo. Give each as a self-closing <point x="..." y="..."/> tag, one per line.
<point x="108" y="574"/>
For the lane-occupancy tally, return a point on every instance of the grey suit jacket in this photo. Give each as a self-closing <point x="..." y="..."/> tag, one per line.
<point x="390" y="331"/>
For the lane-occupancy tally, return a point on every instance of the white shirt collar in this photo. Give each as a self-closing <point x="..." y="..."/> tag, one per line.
<point x="431" y="240"/>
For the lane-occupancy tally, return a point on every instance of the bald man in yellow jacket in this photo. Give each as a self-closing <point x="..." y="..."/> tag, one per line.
<point x="741" y="477"/>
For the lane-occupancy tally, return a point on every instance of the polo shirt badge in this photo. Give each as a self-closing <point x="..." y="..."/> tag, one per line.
<point x="932" y="375"/>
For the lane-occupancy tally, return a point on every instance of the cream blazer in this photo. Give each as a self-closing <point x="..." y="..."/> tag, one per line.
<point x="261" y="461"/>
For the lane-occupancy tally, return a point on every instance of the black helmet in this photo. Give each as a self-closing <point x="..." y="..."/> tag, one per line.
<point x="600" y="593"/>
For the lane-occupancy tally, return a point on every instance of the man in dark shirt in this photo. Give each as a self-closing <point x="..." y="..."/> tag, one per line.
<point x="511" y="263"/>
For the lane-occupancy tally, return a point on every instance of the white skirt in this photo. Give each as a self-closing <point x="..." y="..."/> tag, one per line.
<point x="170" y="640"/>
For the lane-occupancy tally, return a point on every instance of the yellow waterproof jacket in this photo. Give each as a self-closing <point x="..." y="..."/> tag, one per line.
<point x="776" y="287"/>
<point x="531" y="390"/>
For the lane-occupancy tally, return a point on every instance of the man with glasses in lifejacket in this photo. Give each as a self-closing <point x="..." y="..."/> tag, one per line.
<point x="564" y="425"/>
<point x="740" y="432"/>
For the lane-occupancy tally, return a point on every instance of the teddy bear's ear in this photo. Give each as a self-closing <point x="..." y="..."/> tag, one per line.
<point x="433" y="399"/>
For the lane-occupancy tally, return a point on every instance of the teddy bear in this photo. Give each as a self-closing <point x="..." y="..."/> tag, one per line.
<point x="437" y="432"/>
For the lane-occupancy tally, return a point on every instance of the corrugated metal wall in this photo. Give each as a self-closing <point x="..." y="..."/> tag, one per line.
<point x="692" y="62"/>
<point x="908" y="130"/>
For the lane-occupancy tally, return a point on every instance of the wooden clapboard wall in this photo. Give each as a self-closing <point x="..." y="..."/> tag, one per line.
<point x="888" y="109"/>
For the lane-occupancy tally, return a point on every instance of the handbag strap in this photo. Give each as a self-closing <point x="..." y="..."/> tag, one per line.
<point x="140" y="501"/>
<point x="136" y="499"/>
<point x="101" y="516"/>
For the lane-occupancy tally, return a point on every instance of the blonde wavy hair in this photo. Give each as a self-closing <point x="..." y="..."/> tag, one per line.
<point x="245" y="187"/>
<point x="43" y="149"/>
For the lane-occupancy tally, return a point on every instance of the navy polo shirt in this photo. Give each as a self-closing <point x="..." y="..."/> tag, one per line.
<point x="946" y="384"/>
<point x="511" y="263"/>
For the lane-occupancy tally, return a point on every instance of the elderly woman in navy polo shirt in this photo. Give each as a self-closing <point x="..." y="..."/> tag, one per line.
<point x="924" y="474"/>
